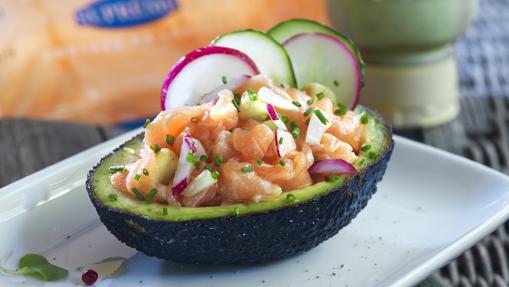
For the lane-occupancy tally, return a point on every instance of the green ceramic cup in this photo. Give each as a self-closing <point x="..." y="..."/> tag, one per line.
<point x="402" y="31"/>
<point x="411" y="70"/>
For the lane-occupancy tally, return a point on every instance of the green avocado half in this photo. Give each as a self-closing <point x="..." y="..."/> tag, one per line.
<point x="294" y="222"/>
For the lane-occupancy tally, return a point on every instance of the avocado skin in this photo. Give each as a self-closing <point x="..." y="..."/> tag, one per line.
<point x="248" y="239"/>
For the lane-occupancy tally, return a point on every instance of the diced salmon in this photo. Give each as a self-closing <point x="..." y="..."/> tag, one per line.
<point x="239" y="186"/>
<point x="118" y="180"/>
<point x="325" y="105"/>
<point x="223" y="111"/>
<point x="333" y="148"/>
<point x="348" y="128"/>
<point x="290" y="176"/>
<point x="254" y="143"/>
<point x="199" y="199"/>
<point x="223" y="145"/>
<point x="171" y="123"/>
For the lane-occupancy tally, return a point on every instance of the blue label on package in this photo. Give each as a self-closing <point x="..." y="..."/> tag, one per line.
<point x="124" y="13"/>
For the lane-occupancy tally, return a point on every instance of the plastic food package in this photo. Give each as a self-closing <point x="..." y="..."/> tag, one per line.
<point x="104" y="61"/>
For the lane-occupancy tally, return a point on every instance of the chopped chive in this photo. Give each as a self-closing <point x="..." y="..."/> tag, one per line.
<point x="145" y="171"/>
<point x="362" y="161"/>
<point x="336" y="83"/>
<point x="333" y="178"/>
<point x="236" y="211"/>
<point x="307" y="122"/>
<point x="321" y="116"/>
<point x="156" y="148"/>
<point x="295" y="132"/>
<point x="372" y="155"/>
<point x="129" y="150"/>
<point x="224" y="79"/>
<point x="236" y="105"/>
<point x="231" y="130"/>
<point x="308" y="111"/>
<point x="310" y="101"/>
<point x="151" y="194"/>
<point x="137" y="177"/>
<point x="204" y="158"/>
<point x="252" y="95"/>
<point x="290" y="197"/>
<point x="366" y="147"/>
<point x="113" y="197"/>
<point x="236" y="101"/>
<point x="341" y="110"/>
<point x="170" y="139"/>
<point x="280" y="140"/>
<point x="214" y="174"/>
<point x="147" y="122"/>
<point x="282" y="162"/>
<point x="364" y="119"/>
<point x="190" y="157"/>
<point x="218" y="160"/>
<point x="165" y="211"/>
<point x="293" y="125"/>
<point x="320" y="96"/>
<point x="197" y="165"/>
<point x="259" y="161"/>
<point x="247" y="168"/>
<point x="297" y="104"/>
<point x="117" y="168"/>
<point x="285" y="119"/>
<point x="209" y="168"/>
<point x="137" y="193"/>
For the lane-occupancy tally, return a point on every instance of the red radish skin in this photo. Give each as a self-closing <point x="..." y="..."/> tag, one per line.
<point x="347" y="51"/>
<point x="196" y="54"/>
<point x="184" y="168"/>
<point x="275" y="117"/>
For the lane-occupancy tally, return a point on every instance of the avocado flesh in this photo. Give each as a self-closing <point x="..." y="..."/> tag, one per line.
<point x="254" y="233"/>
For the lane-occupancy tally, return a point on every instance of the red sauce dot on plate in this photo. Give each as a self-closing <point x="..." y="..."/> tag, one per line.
<point x="89" y="277"/>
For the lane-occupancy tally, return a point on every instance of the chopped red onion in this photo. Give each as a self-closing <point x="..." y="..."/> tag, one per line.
<point x="332" y="166"/>
<point x="179" y="187"/>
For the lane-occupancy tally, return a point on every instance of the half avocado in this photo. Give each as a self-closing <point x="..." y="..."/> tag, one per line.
<point x="294" y="222"/>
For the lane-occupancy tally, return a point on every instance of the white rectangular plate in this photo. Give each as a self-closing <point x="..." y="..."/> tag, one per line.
<point x="430" y="207"/>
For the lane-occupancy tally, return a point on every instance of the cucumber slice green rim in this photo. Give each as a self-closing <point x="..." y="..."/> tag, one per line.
<point x="289" y="28"/>
<point x="269" y="55"/>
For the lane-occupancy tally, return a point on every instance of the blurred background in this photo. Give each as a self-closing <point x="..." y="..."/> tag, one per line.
<point x="105" y="61"/>
<point x="437" y="69"/>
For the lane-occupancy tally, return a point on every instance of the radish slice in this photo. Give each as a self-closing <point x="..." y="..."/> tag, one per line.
<point x="284" y="142"/>
<point x="275" y="117"/>
<point x="332" y="166"/>
<point x="230" y="85"/>
<point x="200" y="72"/>
<point x="270" y="97"/>
<point x="323" y="58"/>
<point x="184" y="166"/>
<point x="316" y="129"/>
<point x="200" y="183"/>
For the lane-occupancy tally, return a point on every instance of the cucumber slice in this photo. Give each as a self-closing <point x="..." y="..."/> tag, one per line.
<point x="268" y="54"/>
<point x="322" y="58"/>
<point x="289" y="28"/>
